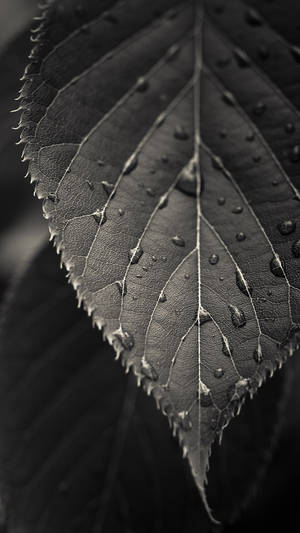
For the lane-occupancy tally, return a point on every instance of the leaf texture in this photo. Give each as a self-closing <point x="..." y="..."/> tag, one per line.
<point x="163" y="138"/>
<point x="82" y="449"/>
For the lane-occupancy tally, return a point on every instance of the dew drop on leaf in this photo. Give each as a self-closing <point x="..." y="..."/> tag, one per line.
<point x="178" y="241"/>
<point x="289" y="127"/>
<point x="204" y="316"/>
<point x="221" y="200"/>
<point x="228" y="98"/>
<point x="286" y="227"/>
<point x="108" y="187"/>
<point x="242" y="58"/>
<point x="121" y="211"/>
<point x="162" y="297"/>
<point x="205" y="399"/>
<point x="253" y="17"/>
<point x="240" y="237"/>
<point x="148" y="370"/>
<point x="259" y="109"/>
<point x="163" y="201"/>
<point x="180" y="133"/>
<point x="130" y="165"/>
<point x="296" y="248"/>
<point x="218" y="373"/>
<point x="237" y="210"/>
<point x="142" y="84"/>
<point x="237" y="316"/>
<point x="277" y="266"/>
<point x="187" y="182"/>
<point x="295" y="51"/>
<point x="135" y="255"/>
<point x="184" y="421"/>
<point x="295" y="154"/>
<point x="213" y="259"/>
<point x="241" y="283"/>
<point x="225" y="347"/>
<point x="125" y="338"/>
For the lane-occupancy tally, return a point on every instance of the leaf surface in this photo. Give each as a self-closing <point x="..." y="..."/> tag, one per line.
<point x="163" y="138"/>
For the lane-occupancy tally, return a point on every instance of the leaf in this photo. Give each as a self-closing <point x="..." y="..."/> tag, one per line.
<point x="82" y="449"/>
<point x="163" y="138"/>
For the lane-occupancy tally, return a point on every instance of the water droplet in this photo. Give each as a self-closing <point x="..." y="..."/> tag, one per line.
<point x="187" y="276"/>
<point x="178" y="241"/>
<point x="225" y="347"/>
<point x="240" y="237"/>
<point x="135" y="255"/>
<point x="213" y="259"/>
<point x="184" y="420"/>
<point x="154" y="258"/>
<point x="125" y="338"/>
<point x="237" y="316"/>
<point x="150" y="192"/>
<point x="148" y="370"/>
<point x="110" y="17"/>
<point x="275" y="183"/>
<point x="221" y="200"/>
<point x="289" y="127"/>
<point x="237" y="210"/>
<point x="163" y="201"/>
<point x="100" y="162"/>
<point x="253" y="17"/>
<point x="52" y="198"/>
<point x="130" y="165"/>
<point x="223" y="134"/>
<point x="256" y="158"/>
<point x="277" y="266"/>
<point x="218" y="373"/>
<point x="205" y="399"/>
<point x="242" y="58"/>
<point x="295" y="154"/>
<point x="296" y="248"/>
<point x="259" y="109"/>
<point x="164" y="158"/>
<point x="164" y="259"/>
<point x="250" y="137"/>
<point x="108" y="187"/>
<point x="228" y="98"/>
<point x="187" y="182"/>
<point x="295" y="51"/>
<point x="263" y="52"/>
<point x="204" y="316"/>
<point x="286" y="227"/>
<point x="257" y="355"/>
<point x="142" y="84"/>
<point x="172" y="52"/>
<point x="121" y="211"/>
<point x="242" y="283"/>
<point x="180" y="133"/>
<point x="99" y="217"/>
<point x="162" y="297"/>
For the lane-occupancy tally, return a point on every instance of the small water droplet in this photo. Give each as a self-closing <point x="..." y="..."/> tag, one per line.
<point x="163" y="201"/>
<point x="154" y="258"/>
<point x="184" y="420"/>
<point x="162" y="297"/>
<point x="250" y="137"/>
<point x="125" y="338"/>
<point x="240" y="237"/>
<point x="108" y="187"/>
<point x="121" y="211"/>
<point x="295" y="51"/>
<point x="213" y="259"/>
<point x="256" y="158"/>
<point x="135" y="255"/>
<point x="139" y="276"/>
<point x="150" y="192"/>
<point x="286" y="227"/>
<point x="277" y="266"/>
<point x="225" y="347"/>
<point x="296" y="248"/>
<point x="241" y="57"/>
<point x="110" y="17"/>
<point x="289" y="127"/>
<point x="99" y="217"/>
<point x="148" y="370"/>
<point x="130" y="165"/>
<point x="178" y="241"/>
<point x="100" y="162"/>
<point x="257" y="355"/>
<point x="187" y="181"/>
<point x="263" y="52"/>
<point x="218" y="373"/>
<point x="259" y="109"/>
<point x="242" y="283"/>
<point x="142" y="84"/>
<point x="172" y="52"/>
<point x="221" y="200"/>
<point x="275" y="183"/>
<point x="203" y="316"/>
<point x="237" y="316"/>
<point x="237" y="210"/>
<point x="223" y="134"/>
<point x="187" y="276"/>
<point x="180" y="133"/>
<point x="253" y="17"/>
<point x="205" y="399"/>
<point x="164" y="158"/>
<point x="228" y="98"/>
<point x="295" y="154"/>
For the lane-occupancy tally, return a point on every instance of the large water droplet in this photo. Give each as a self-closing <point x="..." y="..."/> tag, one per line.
<point x="277" y="266"/>
<point x="225" y="347"/>
<point x="163" y="201"/>
<point x="218" y="373"/>
<point x="213" y="259"/>
<point x="237" y="316"/>
<point x="242" y="283"/>
<point x="237" y="210"/>
<point x="204" y="316"/>
<point x="125" y="338"/>
<point x="296" y="248"/>
<point x="108" y="187"/>
<point x="142" y="84"/>
<point x="187" y="182"/>
<point x="181" y="133"/>
<point x="259" y="109"/>
<point x="162" y="297"/>
<point x="242" y="58"/>
<point x="130" y="165"/>
<point x="286" y="227"/>
<point x="178" y="241"/>
<point x="135" y="255"/>
<point x="148" y="370"/>
<point x="99" y="217"/>
<point x="253" y="17"/>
